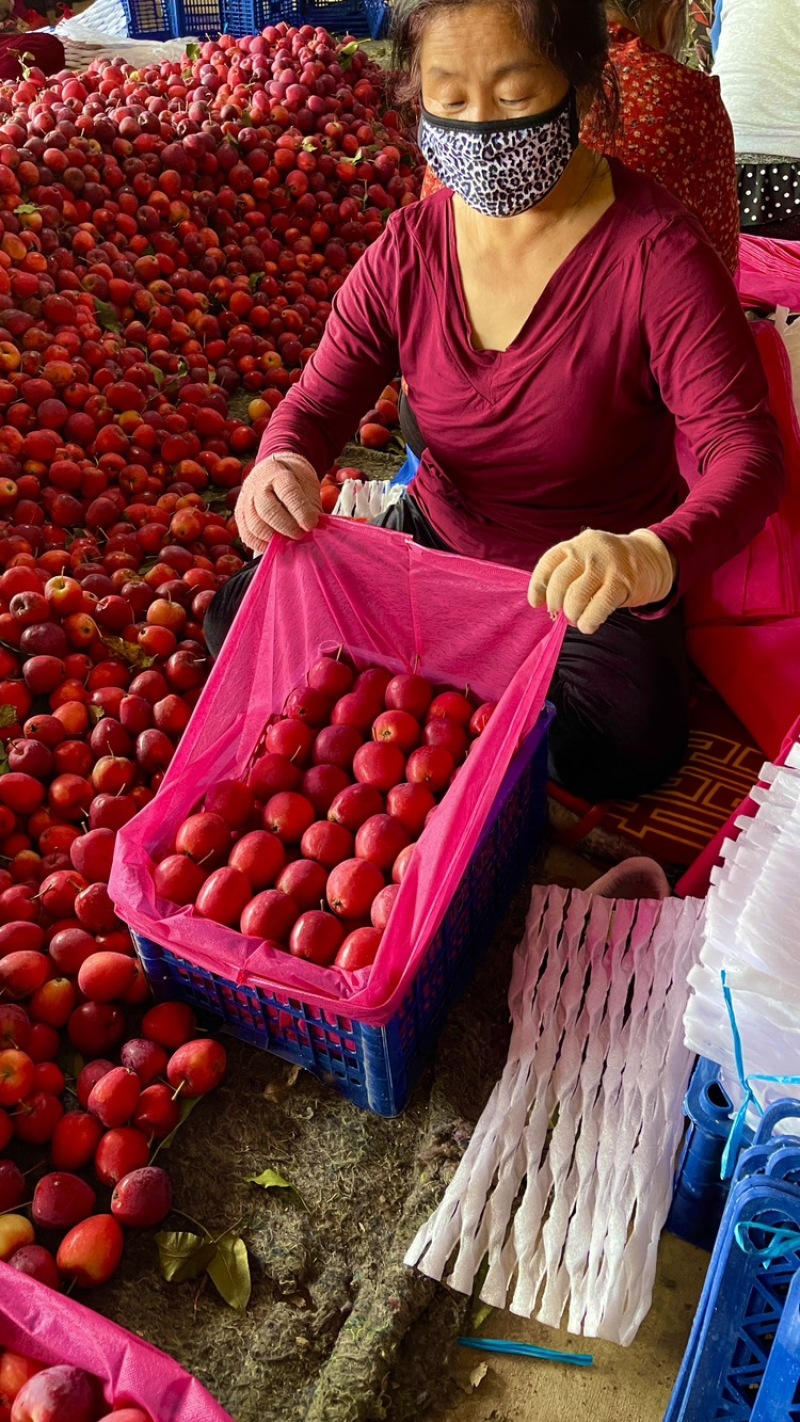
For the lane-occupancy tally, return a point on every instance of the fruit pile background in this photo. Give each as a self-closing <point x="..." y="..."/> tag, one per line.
<point x="170" y="243"/>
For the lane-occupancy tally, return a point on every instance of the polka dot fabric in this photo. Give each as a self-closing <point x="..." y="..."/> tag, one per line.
<point x="769" y="191"/>
<point x="675" y="128"/>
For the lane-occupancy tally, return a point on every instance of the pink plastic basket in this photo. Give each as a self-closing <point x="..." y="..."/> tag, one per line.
<point x="41" y="1324"/>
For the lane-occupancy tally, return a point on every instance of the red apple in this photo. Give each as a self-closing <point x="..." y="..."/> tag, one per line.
<point x="269" y="915"/>
<point x="260" y="856"/>
<point x="397" y="728"/>
<point x="352" y="886"/>
<point x="178" y="879"/>
<point x="359" y="949"/>
<point x="411" y="805"/>
<point x="91" y="1252"/>
<point x="380" y="840"/>
<point x="143" y="1198"/>
<point x="409" y="692"/>
<point x="316" y="937"/>
<point x="224" y="896"/>
<point x="170" y="1024"/>
<point x="197" y="1067"/>
<point x="431" y="766"/>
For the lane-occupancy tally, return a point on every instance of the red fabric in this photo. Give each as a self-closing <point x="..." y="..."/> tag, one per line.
<point x="571" y="425"/>
<point x="743" y="623"/>
<point x="47" y="54"/>
<point x="675" y="127"/>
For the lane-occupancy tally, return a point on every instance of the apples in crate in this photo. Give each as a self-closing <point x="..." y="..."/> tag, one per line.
<point x="307" y="850"/>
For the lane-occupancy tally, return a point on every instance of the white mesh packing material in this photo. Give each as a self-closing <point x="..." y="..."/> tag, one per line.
<point x="101" y="32"/>
<point x="567" y="1181"/>
<point x="752" y="913"/>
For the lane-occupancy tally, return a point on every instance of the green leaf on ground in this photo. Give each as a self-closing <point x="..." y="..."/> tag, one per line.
<point x="8" y="716"/>
<point x="271" y="1180"/>
<point x="183" y="1255"/>
<point x="229" y="1272"/>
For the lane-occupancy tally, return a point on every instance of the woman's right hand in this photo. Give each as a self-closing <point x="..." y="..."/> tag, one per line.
<point x="279" y="495"/>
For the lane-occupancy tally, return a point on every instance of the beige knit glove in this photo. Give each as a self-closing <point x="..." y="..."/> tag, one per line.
<point x="279" y="495"/>
<point x="590" y="576"/>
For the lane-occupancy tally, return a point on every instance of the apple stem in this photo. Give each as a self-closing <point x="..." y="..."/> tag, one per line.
<point x="178" y="1090"/>
<point x="15" y="1209"/>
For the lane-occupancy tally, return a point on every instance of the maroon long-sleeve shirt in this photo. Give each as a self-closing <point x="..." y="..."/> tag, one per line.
<point x="638" y="332"/>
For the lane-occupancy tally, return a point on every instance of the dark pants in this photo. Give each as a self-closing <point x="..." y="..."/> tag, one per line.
<point x="622" y="695"/>
<point x="786" y="230"/>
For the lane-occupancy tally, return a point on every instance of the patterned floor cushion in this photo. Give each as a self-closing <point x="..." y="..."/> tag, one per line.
<point x="676" y="822"/>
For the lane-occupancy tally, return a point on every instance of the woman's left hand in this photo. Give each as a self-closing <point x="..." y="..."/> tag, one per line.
<point x="593" y="575"/>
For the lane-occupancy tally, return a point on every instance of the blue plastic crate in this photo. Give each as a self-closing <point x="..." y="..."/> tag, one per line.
<point x="339" y="17"/>
<point x="202" y="18"/>
<point x="379" y="17"/>
<point x="743" y="1303"/>
<point x="249" y="17"/>
<point x="700" y="1193"/>
<point x="150" y="19"/>
<point x="377" y="1067"/>
<point x="779" y="1393"/>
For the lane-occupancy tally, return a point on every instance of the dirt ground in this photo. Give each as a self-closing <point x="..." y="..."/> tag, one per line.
<point x="625" y="1385"/>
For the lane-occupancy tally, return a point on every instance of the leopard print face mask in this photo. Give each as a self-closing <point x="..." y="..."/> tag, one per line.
<point x="502" y="169"/>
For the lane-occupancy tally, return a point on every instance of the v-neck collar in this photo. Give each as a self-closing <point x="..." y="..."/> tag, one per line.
<point x="489" y="358"/>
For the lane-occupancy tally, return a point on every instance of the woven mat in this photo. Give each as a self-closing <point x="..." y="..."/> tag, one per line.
<point x="674" y="824"/>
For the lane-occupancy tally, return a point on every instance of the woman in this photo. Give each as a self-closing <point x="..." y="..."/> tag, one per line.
<point x="673" y="123"/>
<point x="758" y="63"/>
<point x="556" y="317"/>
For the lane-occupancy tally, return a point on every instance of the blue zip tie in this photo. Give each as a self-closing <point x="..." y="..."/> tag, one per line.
<point x="734" y="1141"/>
<point x="784" y="1241"/>
<point x="527" y="1350"/>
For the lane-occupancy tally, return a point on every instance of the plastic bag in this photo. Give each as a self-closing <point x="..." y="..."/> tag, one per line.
<point x="743" y="622"/>
<point x="41" y="1324"/>
<point x="393" y="604"/>
<point x="769" y="272"/>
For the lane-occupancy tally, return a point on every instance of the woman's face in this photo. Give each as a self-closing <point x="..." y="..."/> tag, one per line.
<point x="477" y="66"/>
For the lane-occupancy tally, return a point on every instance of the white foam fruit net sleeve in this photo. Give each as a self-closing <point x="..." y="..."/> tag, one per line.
<point x="567" y="1181"/>
<point x="752" y="926"/>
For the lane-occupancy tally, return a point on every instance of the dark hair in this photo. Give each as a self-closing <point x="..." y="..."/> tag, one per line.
<point x="572" y="34"/>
